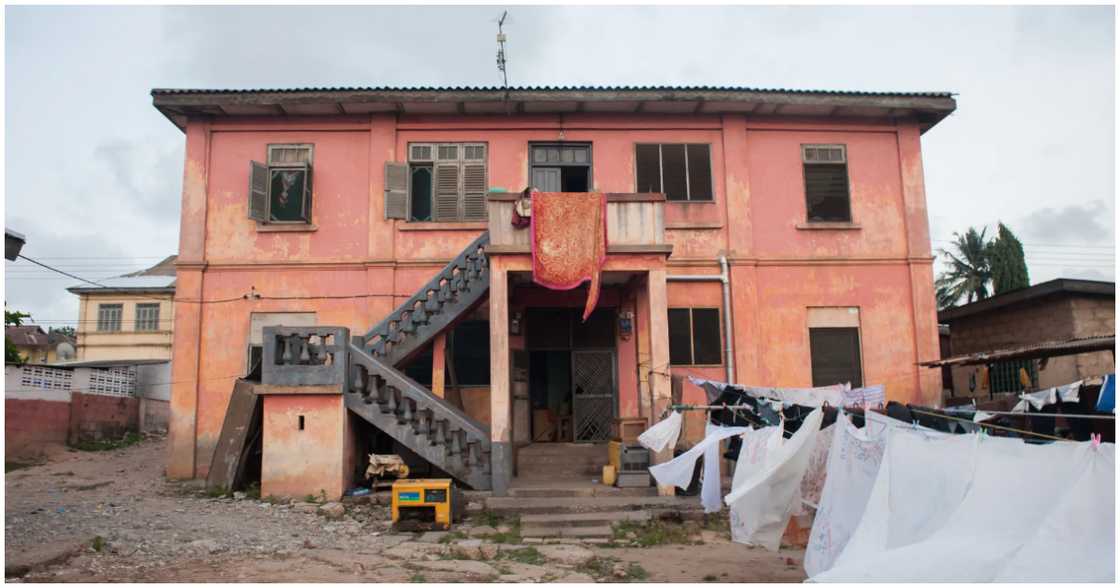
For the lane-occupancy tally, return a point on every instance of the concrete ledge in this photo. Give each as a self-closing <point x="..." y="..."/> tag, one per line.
<point x="265" y="389"/>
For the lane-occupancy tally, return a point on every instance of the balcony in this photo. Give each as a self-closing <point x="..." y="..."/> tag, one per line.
<point x="635" y="224"/>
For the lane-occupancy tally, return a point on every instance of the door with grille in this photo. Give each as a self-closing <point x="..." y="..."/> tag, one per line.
<point x="593" y="394"/>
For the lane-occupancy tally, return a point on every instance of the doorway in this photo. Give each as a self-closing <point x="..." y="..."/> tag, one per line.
<point x="560" y="167"/>
<point x="573" y="383"/>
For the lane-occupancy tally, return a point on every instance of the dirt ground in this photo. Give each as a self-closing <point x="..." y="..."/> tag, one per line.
<point x="113" y="517"/>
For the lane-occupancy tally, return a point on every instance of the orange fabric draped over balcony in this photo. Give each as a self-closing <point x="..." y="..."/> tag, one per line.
<point x="569" y="241"/>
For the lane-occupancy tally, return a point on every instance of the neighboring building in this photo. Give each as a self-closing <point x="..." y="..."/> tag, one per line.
<point x="128" y="317"/>
<point x="1058" y="310"/>
<point x="814" y="199"/>
<point x="41" y="347"/>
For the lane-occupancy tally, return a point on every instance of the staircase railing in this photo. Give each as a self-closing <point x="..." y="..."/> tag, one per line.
<point x="435" y="306"/>
<point x="418" y="419"/>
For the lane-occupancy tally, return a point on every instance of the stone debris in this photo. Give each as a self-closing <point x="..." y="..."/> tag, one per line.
<point x="332" y="510"/>
<point x="572" y="555"/>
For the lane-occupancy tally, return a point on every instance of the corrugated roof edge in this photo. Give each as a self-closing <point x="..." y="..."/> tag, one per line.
<point x="165" y="91"/>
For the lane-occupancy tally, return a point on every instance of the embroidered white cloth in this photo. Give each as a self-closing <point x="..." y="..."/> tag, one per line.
<point x="812" y="485"/>
<point x="869" y="396"/>
<point x="941" y="512"/>
<point x="764" y="499"/>
<point x="1038" y="400"/>
<point x="678" y="471"/>
<point x="664" y="434"/>
<point x="853" y="464"/>
<point x="752" y="456"/>
<point x="711" y="476"/>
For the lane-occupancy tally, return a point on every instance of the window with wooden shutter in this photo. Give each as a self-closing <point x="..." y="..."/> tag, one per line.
<point x="835" y="356"/>
<point x="396" y="190"/>
<point x="449" y="181"/>
<point x="280" y="188"/>
<point x="827" y="198"/>
<point x="683" y="172"/>
<point x="109" y="317"/>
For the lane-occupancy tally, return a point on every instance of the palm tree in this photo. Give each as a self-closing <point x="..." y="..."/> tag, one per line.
<point x="969" y="271"/>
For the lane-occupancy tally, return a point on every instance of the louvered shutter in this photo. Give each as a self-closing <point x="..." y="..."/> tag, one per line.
<point x="396" y="190"/>
<point x="447" y="192"/>
<point x="258" y="191"/>
<point x="307" y="192"/>
<point x="474" y="191"/>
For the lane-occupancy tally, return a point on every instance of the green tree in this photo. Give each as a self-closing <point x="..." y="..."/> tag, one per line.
<point x="969" y="270"/>
<point x="12" y="318"/>
<point x="68" y="331"/>
<point x="1008" y="264"/>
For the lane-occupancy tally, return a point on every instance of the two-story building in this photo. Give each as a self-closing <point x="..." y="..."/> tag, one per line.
<point x="769" y="237"/>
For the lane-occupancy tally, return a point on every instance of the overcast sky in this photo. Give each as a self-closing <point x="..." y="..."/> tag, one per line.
<point x="94" y="172"/>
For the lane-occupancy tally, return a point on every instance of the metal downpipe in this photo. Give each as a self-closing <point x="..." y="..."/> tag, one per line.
<point x="724" y="277"/>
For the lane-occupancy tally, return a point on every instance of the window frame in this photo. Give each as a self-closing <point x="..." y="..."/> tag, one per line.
<point x="153" y="320"/>
<point x="102" y="322"/>
<point x="433" y="163"/>
<point x="805" y="163"/>
<point x="858" y="351"/>
<point x="692" y="335"/>
<point x="271" y="166"/>
<point x="687" y="176"/>
<point x="590" y="165"/>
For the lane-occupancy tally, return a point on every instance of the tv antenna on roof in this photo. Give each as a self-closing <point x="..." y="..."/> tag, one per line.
<point x="502" y="53"/>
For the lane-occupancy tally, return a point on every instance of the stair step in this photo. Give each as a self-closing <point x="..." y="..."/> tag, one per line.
<point x="582" y="532"/>
<point x="523" y="506"/>
<point x="583" y="519"/>
<point x="538" y="488"/>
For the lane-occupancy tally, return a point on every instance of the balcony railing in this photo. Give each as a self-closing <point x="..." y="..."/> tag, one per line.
<point x="305" y="356"/>
<point x="634" y="222"/>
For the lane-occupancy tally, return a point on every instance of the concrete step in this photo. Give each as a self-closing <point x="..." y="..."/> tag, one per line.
<point x="581" y="532"/>
<point x="583" y="519"/>
<point x="586" y="491"/>
<point x="516" y="505"/>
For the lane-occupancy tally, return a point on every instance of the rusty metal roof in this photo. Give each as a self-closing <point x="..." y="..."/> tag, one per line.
<point x="1034" y="351"/>
<point x="161" y="91"/>
<point x="1055" y="287"/>
<point x="179" y="105"/>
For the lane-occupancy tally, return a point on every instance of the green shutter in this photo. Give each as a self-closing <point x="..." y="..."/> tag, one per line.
<point x="474" y="191"/>
<point x="258" y="191"/>
<point x="396" y="190"/>
<point x="447" y="192"/>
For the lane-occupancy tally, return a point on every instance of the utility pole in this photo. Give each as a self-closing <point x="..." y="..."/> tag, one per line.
<point x="502" y="58"/>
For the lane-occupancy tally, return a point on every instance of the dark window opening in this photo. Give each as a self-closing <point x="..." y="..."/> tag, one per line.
<point x="573" y="179"/>
<point x="301" y="422"/>
<point x="256" y="357"/>
<point x="694" y="337"/>
<point x="827" y="197"/>
<point x="471" y="353"/>
<point x="421" y="197"/>
<point x="835" y="356"/>
<point x="682" y="172"/>
<point x="564" y="167"/>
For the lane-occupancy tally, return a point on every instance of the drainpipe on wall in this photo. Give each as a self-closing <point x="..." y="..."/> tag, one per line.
<point x="723" y="277"/>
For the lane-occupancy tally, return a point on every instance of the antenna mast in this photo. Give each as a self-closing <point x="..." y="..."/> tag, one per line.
<point x="502" y="53"/>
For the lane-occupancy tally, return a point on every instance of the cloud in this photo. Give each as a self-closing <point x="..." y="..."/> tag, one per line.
<point x="1090" y="223"/>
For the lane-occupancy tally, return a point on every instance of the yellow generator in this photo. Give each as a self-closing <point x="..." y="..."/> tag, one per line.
<point x="426" y="504"/>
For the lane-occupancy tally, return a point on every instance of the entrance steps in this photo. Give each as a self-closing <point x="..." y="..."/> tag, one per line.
<point x="583" y="513"/>
<point x="577" y="461"/>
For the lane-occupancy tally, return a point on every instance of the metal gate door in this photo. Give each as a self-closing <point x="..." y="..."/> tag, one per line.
<point x="593" y="395"/>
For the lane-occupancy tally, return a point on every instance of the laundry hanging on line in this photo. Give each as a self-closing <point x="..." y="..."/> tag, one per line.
<point x="678" y="471"/>
<point x="937" y="493"/>
<point x="763" y="501"/>
<point x="1042" y="398"/>
<point x="664" y="434"/>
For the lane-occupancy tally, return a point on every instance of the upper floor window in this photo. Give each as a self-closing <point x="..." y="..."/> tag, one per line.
<point x="680" y="171"/>
<point x="826" y="183"/>
<point x="560" y="167"/>
<point x="834" y="353"/>
<point x="694" y="336"/>
<point x="147" y="317"/>
<point x="109" y="317"/>
<point x="441" y="182"/>
<point x="280" y="189"/>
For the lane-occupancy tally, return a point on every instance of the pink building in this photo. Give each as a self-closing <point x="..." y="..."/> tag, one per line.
<point x="770" y="237"/>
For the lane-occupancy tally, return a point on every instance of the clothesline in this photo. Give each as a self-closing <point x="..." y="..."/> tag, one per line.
<point x="1054" y="415"/>
<point x="983" y="424"/>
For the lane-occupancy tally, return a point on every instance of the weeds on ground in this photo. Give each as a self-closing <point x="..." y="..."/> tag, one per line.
<point x="636" y="572"/>
<point x="253" y="491"/>
<point x="717" y="522"/>
<point x="711" y="578"/>
<point x="525" y="555"/>
<point x="600" y="567"/>
<point x="11" y="466"/>
<point x="98" y="543"/>
<point x="650" y="533"/>
<point x="129" y="439"/>
<point x="417" y="578"/>
<point x="488" y="518"/>
<point x="452" y="536"/>
<point x="510" y="537"/>
<point x="216" y="492"/>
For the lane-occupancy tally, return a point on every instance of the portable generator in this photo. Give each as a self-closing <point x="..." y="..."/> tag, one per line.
<point x="426" y="504"/>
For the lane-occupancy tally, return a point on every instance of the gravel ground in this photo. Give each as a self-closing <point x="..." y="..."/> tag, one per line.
<point x="112" y="516"/>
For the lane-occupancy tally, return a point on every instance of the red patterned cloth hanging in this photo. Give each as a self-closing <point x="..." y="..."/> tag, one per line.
<point x="569" y="241"/>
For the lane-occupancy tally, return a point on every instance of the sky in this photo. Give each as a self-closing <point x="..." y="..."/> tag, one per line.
<point x="94" y="172"/>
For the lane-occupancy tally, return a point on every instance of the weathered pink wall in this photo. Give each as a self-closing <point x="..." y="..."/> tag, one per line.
<point x="319" y="458"/>
<point x="356" y="265"/>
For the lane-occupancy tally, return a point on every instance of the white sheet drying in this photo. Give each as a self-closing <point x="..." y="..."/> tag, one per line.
<point x="678" y="471"/>
<point x="662" y="435"/>
<point x="762" y="502"/>
<point x="1022" y="512"/>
